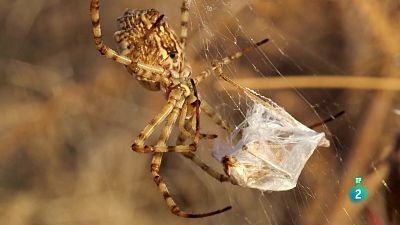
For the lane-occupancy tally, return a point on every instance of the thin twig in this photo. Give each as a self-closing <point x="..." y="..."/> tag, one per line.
<point x="319" y="82"/>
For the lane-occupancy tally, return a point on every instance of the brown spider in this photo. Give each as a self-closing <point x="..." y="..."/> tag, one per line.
<point x="153" y="53"/>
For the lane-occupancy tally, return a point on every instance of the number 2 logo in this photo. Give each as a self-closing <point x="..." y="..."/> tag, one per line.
<point x="358" y="194"/>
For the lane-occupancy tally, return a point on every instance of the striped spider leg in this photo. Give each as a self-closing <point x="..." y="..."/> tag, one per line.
<point x="156" y="162"/>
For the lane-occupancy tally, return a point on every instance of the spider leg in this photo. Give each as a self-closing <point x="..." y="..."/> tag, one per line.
<point x="184" y="22"/>
<point x="208" y="136"/>
<point x="193" y="100"/>
<point x="225" y="61"/>
<point x="155" y="168"/>
<point x="165" y="149"/>
<point x="181" y="123"/>
<point x="107" y="51"/>
<point x="197" y="161"/>
<point x="252" y="95"/>
<point x="190" y="155"/>
<point x="210" y="171"/>
<point x="172" y="105"/>
<point x="155" y="122"/>
<point x="103" y="49"/>
<point x="196" y="118"/>
<point x="185" y="133"/>
<point x="214" y="115"/>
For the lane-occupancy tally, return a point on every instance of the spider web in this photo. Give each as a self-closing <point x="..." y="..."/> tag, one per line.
<point x="220" y="28"/>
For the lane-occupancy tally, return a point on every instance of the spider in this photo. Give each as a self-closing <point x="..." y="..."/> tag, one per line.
<point x="154" y="54"/>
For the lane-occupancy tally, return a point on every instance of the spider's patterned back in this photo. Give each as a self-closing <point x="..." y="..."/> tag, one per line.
<point x="144" y="36"/>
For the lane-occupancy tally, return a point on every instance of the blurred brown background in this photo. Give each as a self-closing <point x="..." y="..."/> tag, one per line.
<point x="69" y="116"/>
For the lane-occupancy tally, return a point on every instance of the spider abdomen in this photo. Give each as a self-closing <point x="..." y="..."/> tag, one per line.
<point x="146" y="37"/>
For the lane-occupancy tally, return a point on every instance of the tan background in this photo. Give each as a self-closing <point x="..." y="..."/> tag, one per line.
<point x="68" y="115"/>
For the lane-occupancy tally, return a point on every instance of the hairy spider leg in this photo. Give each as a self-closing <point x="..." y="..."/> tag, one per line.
<point x="184" y="22"/>
<point x="227" y="60"/>
<point x="156" y="163"/>
<point x="214" y="115"/>
<point x="327" y="120"/>
<point x="174" y="100"/>
<point x="249" y="93"/>
<point x="181" y="123"/>
<point x="197" y="161"/>
<point x="107" y="51"/>
<point x="186" y="132"/>
<point x="206" y="168"/>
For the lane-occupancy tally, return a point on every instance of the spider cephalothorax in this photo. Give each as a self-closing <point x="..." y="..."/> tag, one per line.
<point x="146" y="37"/>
